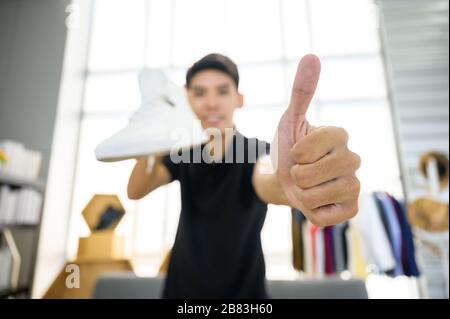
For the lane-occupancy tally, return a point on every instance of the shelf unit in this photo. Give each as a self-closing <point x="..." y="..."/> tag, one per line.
<point x="22" y="290"/>
<point x="21" y="182"/>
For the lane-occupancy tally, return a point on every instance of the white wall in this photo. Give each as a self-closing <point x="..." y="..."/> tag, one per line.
<point x="52" y="252"/>
<point x="416" y="47"/>
<point x="32" y="37"/>
<point x="40" y="101"/>
<point x="32" y="42"/>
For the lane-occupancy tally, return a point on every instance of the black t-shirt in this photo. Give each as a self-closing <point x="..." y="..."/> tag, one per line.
<point x="217" y="251"/>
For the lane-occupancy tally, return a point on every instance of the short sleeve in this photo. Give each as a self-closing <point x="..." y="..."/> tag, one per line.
<point x="263" y="148"/>
<point x="171" y="167"/>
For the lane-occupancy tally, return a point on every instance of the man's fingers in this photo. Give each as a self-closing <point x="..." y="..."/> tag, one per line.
<point x="305" y="83"/>
<point x="337" y="191"/>
<point x="318" y="143"/>
<point x="340" y="163"/>
<point x="333" y="214"/>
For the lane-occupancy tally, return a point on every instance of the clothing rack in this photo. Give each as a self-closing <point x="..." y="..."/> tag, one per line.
<point x="378" y="240"/>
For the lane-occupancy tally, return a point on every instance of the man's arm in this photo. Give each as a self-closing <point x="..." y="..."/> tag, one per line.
<point x="266" y="184"/>
<point x="314" y="166"/>
<point x="322" y="180"/>
<point x="141" y="182"/>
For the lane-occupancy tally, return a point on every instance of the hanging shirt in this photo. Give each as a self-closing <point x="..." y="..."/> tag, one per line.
<point x="356" y="261"/>
<point x="339" y="248"/>
<point x="408" y="252"/>
<point x="375" y="244"/>
<point x="313" y="234"/>
<point x="297" y="239"/>
<point x="394" y="230"/>
<point x="320" y="253"/>
<point x="307" y="248"/>
<point x="329" y="250"/>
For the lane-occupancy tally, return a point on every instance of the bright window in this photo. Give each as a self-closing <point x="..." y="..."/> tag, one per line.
<point x="266" y="38"/>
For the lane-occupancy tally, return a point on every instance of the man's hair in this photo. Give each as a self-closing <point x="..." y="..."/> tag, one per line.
<point x="214" y="61"/>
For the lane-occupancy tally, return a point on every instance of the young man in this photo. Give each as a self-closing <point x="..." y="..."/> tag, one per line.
<point x="217" y="251"/>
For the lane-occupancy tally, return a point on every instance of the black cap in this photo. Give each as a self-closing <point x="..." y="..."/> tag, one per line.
<point x="214" y="61"/>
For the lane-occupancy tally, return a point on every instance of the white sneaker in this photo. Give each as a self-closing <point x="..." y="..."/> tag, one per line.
<point x="162" y="124"/>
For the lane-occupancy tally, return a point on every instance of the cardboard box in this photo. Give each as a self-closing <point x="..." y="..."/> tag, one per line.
<point x="101" y="245"/>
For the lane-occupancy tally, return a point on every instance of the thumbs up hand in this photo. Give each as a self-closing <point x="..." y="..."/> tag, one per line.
<point x="314" y="166"/>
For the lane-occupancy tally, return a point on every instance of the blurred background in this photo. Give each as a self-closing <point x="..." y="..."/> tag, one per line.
<point x="70" y="80"/>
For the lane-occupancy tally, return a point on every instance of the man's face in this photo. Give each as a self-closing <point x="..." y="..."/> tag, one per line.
<point x="213" y="97"/>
